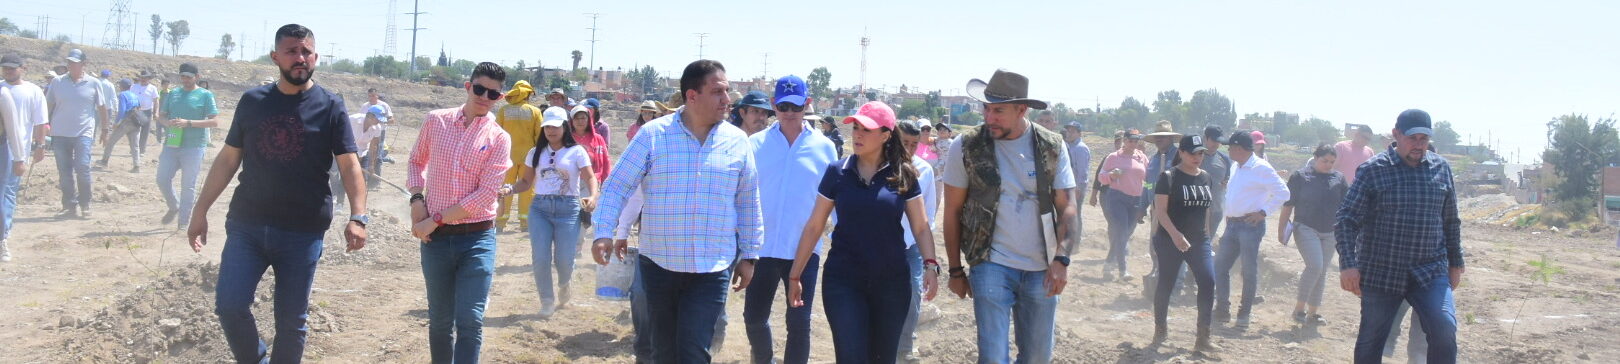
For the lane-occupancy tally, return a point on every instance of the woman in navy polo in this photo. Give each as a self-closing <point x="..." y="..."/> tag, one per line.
<point x="866" y="281"/>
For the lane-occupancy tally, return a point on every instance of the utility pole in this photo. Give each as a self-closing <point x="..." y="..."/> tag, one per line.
<point x="592" y="67"/>
<point x="767" y="74"/>
<point x="865" y="41"/>
<point x="701" y="37"/>
<point x="415" y="27"/>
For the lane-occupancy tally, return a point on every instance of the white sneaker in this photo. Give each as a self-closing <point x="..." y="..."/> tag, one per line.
<point x="5" y="251"/>
<point x="547" y="309"/>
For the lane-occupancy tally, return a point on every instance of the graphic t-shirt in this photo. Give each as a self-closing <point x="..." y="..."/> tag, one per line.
<point x="1190" y="199"/>
<point x="556" y="172"/>
<point x="287" y="143"/>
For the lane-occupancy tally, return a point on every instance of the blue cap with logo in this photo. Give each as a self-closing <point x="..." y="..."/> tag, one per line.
<point x="377" y="112"/>
<point x="791" y="89"/>
<point x="1414" y="121"/>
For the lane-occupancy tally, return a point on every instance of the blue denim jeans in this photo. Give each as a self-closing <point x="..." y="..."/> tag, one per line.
<point x="681" y="310"/>
<point x="1434" y="308"/>
<point x="8" y="189"/>
<point x="770" y="273"/>
<point x="865" y="312"/>
<point x="1120" y="211"/>
<point x="187" y="161"/>
<point x="908" y="331"/>
<point x="1241" y="239"/>
<point x="73" y="170"/>
<point x="1201" y="259"/>
<point x="1002" y="296"/>
<point x="554" y="237"/>
<point x="249" y="249"/>
<point x="458" y="270"/>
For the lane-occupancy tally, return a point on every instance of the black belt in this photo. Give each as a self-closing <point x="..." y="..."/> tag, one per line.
<point x="459" y="229"/>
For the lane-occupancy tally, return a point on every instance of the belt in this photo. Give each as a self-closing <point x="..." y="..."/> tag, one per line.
<point x="459" y="229"/>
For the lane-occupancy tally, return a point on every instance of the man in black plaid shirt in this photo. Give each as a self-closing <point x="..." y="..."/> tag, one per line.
<point x="1400" y="240"/>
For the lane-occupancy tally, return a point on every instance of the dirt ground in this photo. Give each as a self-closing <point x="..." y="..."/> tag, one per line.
<point x="120" y="287"/>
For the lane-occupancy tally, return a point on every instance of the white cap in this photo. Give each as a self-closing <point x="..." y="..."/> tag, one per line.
<point x="553" y="116"/>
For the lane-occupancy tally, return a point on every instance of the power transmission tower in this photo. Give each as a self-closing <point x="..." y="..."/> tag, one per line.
<point x="113" y="35"/>
<point x="865" y="41"/>
<point x="701" y="37"/>
<point x="592" y="67"/>
<point x="390" y="38"/>
<point x="415" y="14"/>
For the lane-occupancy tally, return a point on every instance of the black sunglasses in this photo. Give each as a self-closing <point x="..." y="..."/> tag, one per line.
<point x="786" y="107"/>
<point x="492" y="94"/>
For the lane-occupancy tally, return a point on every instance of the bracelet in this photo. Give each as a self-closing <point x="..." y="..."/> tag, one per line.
<point x="955" y="270"/>
<point x="928" y="262"/>
<point x="795" y="279"/>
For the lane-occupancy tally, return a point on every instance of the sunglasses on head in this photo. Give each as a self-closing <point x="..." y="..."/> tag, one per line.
<point x="490" y="93"/>
<point x="786" y="107"/>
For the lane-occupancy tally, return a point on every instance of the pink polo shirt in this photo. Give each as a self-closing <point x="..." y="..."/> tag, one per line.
<point x="1349" y="158"/>
<point x="1135" y="167"/>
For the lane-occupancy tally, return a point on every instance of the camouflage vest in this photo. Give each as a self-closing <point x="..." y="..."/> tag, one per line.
<point x="978" y="217"/>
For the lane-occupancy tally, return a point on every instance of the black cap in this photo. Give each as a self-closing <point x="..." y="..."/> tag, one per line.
<point x="1414" y="121"/>
<point x="145" y="74"/>
<point x="186" y="68"/>
<point x="11" y="60"/>
<point x="1214" y="132"/>
<point x="1241" y="138"/>
<point x="1192" y="144"/>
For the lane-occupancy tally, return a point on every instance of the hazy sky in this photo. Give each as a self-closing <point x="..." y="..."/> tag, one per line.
<point x="1490" y="67"/>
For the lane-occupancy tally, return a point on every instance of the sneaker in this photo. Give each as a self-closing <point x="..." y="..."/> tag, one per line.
<point x="1315" y="319"/>
<point x="1242" y="321"/>
<point x="547" y="309"/>
<point x="84" y="214"/>
<point x="5" y="251"/>
<point x="168" y="217"/>
<point x="68" y="213"/>
<point x="101" y="164"/>
<point x="563" y="294"/>
<point x="1299" y="317"/>
<point x="1126" y="277"/>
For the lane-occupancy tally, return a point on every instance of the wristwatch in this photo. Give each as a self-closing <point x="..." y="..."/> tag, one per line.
<point x="417" y="197"/>
<point x="1064" y="260"/>
<point x="361" y="218"/>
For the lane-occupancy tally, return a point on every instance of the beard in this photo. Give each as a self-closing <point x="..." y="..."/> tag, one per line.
<point x="287" y="74"/>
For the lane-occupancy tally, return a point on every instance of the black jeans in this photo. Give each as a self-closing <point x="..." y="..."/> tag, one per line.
<point x="1169" y="259"/>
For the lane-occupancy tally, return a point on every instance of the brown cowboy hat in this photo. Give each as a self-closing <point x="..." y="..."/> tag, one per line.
<point x="1005" y="87"/>
<point x="1163" y="129"/>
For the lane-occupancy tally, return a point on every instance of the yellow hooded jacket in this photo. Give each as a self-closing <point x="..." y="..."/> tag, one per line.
<point x="521" y="121"/>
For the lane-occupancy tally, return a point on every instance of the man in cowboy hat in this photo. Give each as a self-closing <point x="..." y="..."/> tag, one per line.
<point x="1007" y="208"/>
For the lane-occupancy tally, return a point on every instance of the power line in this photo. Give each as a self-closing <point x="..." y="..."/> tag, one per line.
<point x="592" y="67"/>
<point x="415" y="27"/>
<point x="701" y="37"/>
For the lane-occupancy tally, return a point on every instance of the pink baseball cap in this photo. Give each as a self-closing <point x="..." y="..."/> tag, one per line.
<point x="873" y="115"/>
<point x="1259" y="138"/>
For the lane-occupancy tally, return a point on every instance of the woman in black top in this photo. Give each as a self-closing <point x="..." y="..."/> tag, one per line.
<point x="1180" y="203"/>
<point x="830" y="129"/>
<point x="1317" y="191"/>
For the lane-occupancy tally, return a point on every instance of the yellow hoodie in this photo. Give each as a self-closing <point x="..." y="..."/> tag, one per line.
<point x="521" y="121"/>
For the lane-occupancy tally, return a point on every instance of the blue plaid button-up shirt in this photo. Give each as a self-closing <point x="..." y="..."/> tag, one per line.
<point x="1399" y="223"/>
<point x="702" y="198"/>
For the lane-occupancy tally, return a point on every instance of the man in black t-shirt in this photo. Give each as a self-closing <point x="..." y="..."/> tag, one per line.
<point x="284" y="138"/>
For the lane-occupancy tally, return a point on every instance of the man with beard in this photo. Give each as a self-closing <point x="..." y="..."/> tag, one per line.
<point x="284" y="138"/>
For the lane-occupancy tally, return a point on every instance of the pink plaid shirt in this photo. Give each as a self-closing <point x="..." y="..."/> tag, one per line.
<point x="468" y="163"/>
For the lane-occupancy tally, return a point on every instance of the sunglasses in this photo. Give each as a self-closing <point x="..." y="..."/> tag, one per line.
<point x="490" y="93"/>
<point x="786" y="107"/>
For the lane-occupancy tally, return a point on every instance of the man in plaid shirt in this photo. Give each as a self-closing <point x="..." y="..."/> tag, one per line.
<point x="701" y="221"/>
<point x="461" y="157"/>
<point x="1400" y="240"/>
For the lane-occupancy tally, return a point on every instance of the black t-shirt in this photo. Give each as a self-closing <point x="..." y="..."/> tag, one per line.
<point x="288" y="143"/>
<point x="1190" y="198"/>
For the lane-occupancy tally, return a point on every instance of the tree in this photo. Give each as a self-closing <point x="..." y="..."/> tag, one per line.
<point x="62" y="38"/>
<point x="7" y="27"/>
<point x="969" y="118"/>
<point x="918" y="108"/>
<point x="1169" y="107"/>
<point x="1445" y="138"/>
<point x="226" y="46"/>
<point x="644" y="80"/>
<point x="156" y="31"/>
<point x="820" y="82"/>
<point x="1578" y="151"/>
<point x="343" y="66"/>
<point x="178" y="31"/>
<point x="577" y="56"/>
<point x="384" y="66"/>
<point x="1209" y="107"/>
<point x="27" y="33"/>
<point x="1132" y="114"/>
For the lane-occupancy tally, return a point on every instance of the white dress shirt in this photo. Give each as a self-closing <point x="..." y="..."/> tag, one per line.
<point x="1255" y="186"/>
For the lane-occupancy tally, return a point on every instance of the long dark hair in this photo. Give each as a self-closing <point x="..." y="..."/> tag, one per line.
<point x="567" y="141"/>
<point x="905" y="175"/>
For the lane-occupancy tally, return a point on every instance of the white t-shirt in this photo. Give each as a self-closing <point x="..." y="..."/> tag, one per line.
<point x="557" y="172"/>
<point x="362" y="136"/>
<point x="145" y="95"/>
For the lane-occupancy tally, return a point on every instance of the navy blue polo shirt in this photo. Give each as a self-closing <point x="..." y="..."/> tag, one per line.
<point x="868" y="237"/>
